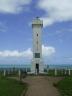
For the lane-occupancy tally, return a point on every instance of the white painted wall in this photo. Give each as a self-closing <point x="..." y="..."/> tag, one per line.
<point x="37" y="25"/>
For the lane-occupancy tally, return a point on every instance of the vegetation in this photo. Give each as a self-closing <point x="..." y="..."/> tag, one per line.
<point x="10" y="87"/>
<point x="65" y="86"/>
<point x="51" y="72"/>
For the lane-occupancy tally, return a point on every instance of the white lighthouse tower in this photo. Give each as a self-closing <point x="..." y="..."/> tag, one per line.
<point x="37" y="64"/>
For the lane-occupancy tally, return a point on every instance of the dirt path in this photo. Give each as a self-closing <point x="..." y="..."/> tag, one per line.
<point x="41" y="86"/>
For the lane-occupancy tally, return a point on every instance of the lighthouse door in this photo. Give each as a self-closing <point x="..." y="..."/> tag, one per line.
<point x="37" y="68"/>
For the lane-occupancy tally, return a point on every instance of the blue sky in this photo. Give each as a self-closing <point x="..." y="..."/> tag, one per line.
<point x="16" y="31"/>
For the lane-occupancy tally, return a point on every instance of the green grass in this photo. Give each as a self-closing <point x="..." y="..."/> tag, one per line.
<point x="10" y="87"/>
<point x="65" y="86"/>
<point x="59" y="73"/>
<point x="51" y="73"/>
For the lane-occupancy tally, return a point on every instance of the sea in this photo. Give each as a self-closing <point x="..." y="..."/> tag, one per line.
<point x="28" y="66"/>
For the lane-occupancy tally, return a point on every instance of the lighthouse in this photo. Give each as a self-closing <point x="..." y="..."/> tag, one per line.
<point x="37" y="63"/>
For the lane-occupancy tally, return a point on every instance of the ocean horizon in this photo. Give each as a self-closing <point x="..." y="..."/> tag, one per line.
<point x="51" y="66"/>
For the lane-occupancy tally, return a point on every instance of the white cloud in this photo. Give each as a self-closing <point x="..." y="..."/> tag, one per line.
<point x="47" y="21"/>
<point x="13" y="6"/>
<point x="56" y="10"/>
<point x="46" y="50"/>
<point x="7" y="53"/>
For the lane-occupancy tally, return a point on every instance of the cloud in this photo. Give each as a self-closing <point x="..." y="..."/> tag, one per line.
<point x="56" y="10"/>
<point x="7" y="53"/>
<point x="46" y="50"/>
<point x="13" y="6"/>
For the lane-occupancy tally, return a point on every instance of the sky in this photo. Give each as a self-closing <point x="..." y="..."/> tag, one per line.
<point x="16" y="31"/>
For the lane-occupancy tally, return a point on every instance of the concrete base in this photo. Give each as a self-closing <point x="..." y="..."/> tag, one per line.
<point x="34" y="70"/>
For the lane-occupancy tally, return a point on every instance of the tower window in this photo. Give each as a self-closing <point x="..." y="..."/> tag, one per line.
<point x="37" y="34"/>
<point x="37" y="55"/>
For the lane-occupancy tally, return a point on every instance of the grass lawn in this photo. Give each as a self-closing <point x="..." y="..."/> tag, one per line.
<point x="10" y="87"/>
<point x="59" y="73"/>
<point x="65" y="86"/>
